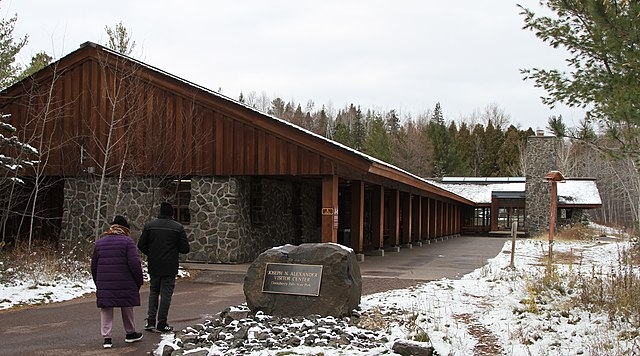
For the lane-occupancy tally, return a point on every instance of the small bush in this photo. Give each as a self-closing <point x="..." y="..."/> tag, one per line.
<point x="576" y="233"/>
<point x="43" y="262"/>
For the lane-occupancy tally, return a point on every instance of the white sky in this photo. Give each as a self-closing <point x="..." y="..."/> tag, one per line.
<point x="405" y="55"/>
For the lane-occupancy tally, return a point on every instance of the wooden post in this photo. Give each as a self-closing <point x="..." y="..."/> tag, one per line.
<point x="552" y="217"/>
<point x="357" y="216"/>
<point x="514" y="232"/>
<point x="330" y="209"/>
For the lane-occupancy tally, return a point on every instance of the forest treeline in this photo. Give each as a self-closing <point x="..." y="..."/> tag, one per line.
<point x="482" y="144"/>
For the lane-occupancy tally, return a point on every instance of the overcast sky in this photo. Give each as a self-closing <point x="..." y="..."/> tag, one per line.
<point x="403" y="55"/>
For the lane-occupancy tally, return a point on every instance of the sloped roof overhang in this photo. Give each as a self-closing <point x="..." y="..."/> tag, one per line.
<point x="348" y="163"/>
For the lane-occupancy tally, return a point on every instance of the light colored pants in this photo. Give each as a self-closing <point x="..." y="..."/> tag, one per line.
<point x="106" y="320"/>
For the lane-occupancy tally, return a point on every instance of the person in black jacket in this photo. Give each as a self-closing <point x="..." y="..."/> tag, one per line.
<point x="162" y="240"/>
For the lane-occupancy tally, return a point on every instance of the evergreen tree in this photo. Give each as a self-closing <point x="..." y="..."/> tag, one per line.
<point x="557" y="126"/>
<point x="321" y="123"/>
<point x="437" y="117"/>
<point x="358" y="130"/>
<point x="508" y="160"/>
<point x="602" y="38"/>
<point x="455" y="161"/>
<point x="393" y="123"/>
<point x="377" y="142"/>
<point x="10" y="165"/>
<point x="39" y="61"/>
<point x="297" y="117"/>
<point x="442" y="142"/>
<point x="341" y="133"/>
<point x="478" y="149"/>
<point x="288" y="111"/>
<point x="277" y="108"/>
<point x="493" y="139"/>
<point x="9" y="48"/>
<point x="120" y="39"/>
<point x="465" y="146"/>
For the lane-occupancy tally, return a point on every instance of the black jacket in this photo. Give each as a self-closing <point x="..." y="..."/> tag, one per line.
<point x="162" y="240"/>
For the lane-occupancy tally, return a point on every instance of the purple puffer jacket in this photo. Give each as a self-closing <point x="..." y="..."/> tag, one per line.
<point x="116" y="271"/>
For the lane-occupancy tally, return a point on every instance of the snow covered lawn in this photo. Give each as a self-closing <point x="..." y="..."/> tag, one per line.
<point x="493" y="310"/>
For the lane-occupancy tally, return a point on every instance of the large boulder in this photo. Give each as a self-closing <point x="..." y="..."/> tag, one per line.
<point x="340" y="284"/>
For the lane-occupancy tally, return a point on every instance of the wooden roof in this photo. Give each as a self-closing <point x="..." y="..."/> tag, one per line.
<point x="98" y="108"/>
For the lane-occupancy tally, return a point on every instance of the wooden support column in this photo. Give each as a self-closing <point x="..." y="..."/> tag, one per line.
<point x="432" y="219"/>
<point x="377" y="216"/>
<point x="417" y="219"/>
<point x="394" y="217"/>
<point x="330" y="209"/>
<point x="494" y="214"/>
<point x="439" y="218"/>
<point x="427" y="218"/>
<point x="357" y="216"/>
<point x="447" y="228"/>
<point x="406" y="218"/>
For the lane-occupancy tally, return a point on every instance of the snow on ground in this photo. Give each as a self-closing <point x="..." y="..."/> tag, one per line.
<point x="39" y="288"/>
<point x="487" y="309"/>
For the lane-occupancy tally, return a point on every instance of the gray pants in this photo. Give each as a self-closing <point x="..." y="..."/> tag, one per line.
<point x="160" y="293"/>
<point x="106" y="320"/>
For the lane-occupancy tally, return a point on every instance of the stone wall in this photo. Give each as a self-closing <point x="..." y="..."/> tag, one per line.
<point x="224" y="227"/>
<point x="541" y="157"/>
<point x="219" y="222"/>
<point x="135" y="200"/>
<point x="227" y="229"/>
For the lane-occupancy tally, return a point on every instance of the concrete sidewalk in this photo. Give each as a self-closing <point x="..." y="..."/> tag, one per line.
<point x="450" y="258"/>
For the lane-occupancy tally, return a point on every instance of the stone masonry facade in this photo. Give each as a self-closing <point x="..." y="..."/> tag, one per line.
<point x="233" y="219"/>
<point x="540" y="159"/>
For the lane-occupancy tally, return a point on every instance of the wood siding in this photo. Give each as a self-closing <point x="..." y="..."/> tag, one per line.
<point x="103" y="105"/>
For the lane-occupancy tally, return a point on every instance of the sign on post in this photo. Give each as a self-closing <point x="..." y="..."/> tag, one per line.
<point x="289" y="278"/>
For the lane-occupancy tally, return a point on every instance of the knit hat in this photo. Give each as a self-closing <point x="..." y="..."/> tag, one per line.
<point x="166" y="209"/>
<point x="120" y="220"/>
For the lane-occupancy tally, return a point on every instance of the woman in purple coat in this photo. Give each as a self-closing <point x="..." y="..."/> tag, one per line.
<point x="117" y="273"/>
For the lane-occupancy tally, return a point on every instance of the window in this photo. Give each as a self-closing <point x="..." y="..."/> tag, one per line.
<point x="178" y="193"/>
<point x="565" y="213"/>
<point x="509" y="215"/>
<point x="479" y="217"/>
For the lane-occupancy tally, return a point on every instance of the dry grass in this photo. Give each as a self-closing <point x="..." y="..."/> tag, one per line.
<point x="577" y="233"/>
<point x="43" y="262"/>
<point x="615" y="292"/>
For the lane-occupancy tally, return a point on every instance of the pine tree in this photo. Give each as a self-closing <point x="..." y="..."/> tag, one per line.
<point x="437" y="117"/>
<point x="120" y="39"/>
<point x="39" y="61"/>
<point x="321" y="123"/>
<point x="277" y="108"/>
<point x="465" y="144"/>
<point x="358" y="129"/>
<point x="392" y="123"/>
<point x="491" y="144"/>
<point x="9" y="48"/>
<point x="478" y="149"/>
<point x="602" y="38"/>
<point x="508" y="161"/>
<point x="12" y="164"/>
<point x="377" y="142"/>
<point x="341" y="133"/>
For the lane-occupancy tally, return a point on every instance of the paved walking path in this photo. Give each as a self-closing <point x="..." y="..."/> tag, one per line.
<point x="72" y="328"/>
